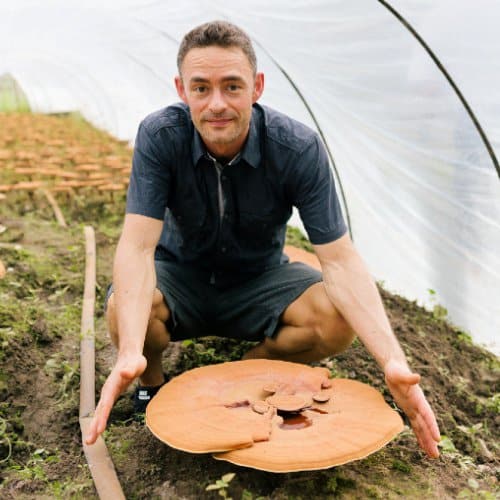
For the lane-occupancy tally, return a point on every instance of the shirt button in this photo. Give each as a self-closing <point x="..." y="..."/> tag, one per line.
<point x="223" y="178"/>
<point x="223" y="249"/>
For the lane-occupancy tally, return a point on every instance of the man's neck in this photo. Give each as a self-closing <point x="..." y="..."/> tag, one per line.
<point x="224" y="153"/>
<point x="223" y="160"/>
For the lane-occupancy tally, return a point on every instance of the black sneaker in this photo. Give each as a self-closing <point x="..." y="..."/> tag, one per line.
<point x="144" y="394"/>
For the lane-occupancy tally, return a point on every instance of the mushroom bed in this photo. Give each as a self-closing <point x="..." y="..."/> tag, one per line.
<point x="272" y="415"/>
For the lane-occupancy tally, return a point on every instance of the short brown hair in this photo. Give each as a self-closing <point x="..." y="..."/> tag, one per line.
<point x="221" y="34"/>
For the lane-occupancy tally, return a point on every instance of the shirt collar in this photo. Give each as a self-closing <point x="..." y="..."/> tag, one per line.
<point x="251" y="150"/>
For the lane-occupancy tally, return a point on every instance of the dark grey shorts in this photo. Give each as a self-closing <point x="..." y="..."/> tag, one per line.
<point x="248" y="311"/>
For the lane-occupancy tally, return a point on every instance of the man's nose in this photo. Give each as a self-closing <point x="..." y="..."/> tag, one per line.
<point x="217" y="103"/>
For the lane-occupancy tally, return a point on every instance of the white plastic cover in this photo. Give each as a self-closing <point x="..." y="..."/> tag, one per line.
<point x="422" y="195"/>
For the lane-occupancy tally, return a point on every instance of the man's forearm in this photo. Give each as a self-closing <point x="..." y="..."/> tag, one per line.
<point x="354" y="293"/>
<point x="133" y="283"/>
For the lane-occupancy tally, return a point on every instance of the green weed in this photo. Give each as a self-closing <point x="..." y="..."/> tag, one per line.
<point x="210" y="350"/>
<point x="67" y="377"/>
<point x="447" y="445"/>
<point x="34" y="468"/>
<point x="221" y="485"/>
<point x="295" y="238"/>
<point x="401" y="466"/>
<point x="476" y="494"/>
<point x="248" y="495"/>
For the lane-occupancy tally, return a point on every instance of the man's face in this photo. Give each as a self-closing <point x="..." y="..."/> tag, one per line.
<point x="219" y="87"/>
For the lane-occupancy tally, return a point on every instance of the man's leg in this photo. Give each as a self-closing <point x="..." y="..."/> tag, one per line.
<point x="311" y="329"/>
<point x="156" y="341"/>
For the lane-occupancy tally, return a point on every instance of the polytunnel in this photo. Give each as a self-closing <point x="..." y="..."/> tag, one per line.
<point x="405" y="95"/>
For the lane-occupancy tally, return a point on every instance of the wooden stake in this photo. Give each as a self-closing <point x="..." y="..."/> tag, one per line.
<point x="55" y="208"/>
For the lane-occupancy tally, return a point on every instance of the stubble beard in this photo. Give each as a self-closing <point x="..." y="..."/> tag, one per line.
<point x="223" y="136"/>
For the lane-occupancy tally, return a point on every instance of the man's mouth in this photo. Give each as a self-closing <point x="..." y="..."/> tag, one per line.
<point x="219" y="122"/>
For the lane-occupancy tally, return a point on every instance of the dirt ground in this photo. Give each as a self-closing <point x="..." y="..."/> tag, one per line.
<point x="40" y="307"/>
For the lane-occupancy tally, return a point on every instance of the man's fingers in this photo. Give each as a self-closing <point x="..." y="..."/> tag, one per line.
<point x="424" y="435"/>
<point x="429" y="445"/>
<point x="122" y="375"/>
<point x="403" y="378"/>
<point x="98" y="423"/>
<point x="92" y="435"/>
<point x="429" y="421"/>
<point x="413" y="378"/>
<point x="433" y="427"/>
<point x="111" y="390"/>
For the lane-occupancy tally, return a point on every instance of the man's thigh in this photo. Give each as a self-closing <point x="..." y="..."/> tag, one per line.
<point x="252" y="311"/>
<point x="311" y="328"/>
<point x="188" y="299"/>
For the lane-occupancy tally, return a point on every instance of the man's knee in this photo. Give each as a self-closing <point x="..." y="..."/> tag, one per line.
<point x="329" y="331"/>
<point x="333" y="333"/>
<point x="159" y="311"/>
<point x="111" y="319"/>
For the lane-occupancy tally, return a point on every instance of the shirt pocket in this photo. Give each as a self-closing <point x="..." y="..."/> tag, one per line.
<point x="191" y="227"/>
<point x="258" y="230"/>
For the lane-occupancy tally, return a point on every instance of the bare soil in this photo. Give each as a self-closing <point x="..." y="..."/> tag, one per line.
<point x="40" y="306"/>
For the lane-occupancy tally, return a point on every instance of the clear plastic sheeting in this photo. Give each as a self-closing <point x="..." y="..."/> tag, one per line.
<point x="422" y="194"/>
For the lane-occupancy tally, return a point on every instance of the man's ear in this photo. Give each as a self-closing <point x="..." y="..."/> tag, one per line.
<point x="180" y="88"/>
<point x="259" y="86"/>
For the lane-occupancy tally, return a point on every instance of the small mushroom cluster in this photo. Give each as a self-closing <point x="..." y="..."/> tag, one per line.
<point x="281" y="399"/>
<point x="243" y="412"/>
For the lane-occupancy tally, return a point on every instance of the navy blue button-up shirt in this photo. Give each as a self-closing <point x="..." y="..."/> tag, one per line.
<point x="282" y="164"/>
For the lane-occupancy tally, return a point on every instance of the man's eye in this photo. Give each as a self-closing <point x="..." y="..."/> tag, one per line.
<point x="233" y="87"/>
<point x="200" y="89"/>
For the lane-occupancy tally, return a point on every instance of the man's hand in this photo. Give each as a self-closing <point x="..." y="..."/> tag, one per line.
<point x="408" y="395"/>
<point x="127" y="368"/>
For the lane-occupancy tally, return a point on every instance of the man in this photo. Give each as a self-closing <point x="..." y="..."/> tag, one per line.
<point x="213" y="183"/>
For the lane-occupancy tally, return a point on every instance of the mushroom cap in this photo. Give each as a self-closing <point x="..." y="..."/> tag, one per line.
<point x="88" y="167"/>
<point x="27" y="185"/>
<point x="210" y="409"/>
<point x="111" y="186"/>
<point x="289" y="402"/>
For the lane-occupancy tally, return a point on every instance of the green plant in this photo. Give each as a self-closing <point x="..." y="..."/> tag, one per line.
<point x="221" y="485"/>
<point x="34" y="468"/>
<point x="438" y="311"/>
<point x="5" y="440"/>
<point x="247" y="495"/>
<point x="401" y="466"/>
<point x="472" y="430"/>
<point x="67" y="374"/>
<point x="447" y="445"/>
<point x="295" y="238"/>
<point x="211" y="350"/>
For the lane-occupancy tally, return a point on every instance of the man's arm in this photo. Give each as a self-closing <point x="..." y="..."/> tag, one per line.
<point x="133" y="283"/>
<point x="351" y="289"/>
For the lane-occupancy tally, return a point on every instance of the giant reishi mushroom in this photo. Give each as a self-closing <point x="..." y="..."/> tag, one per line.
<point x="222" y="409"/>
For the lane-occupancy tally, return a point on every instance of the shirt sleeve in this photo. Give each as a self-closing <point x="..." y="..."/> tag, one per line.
<point x="313" y="193"/>
<point x="150" y="177"/>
